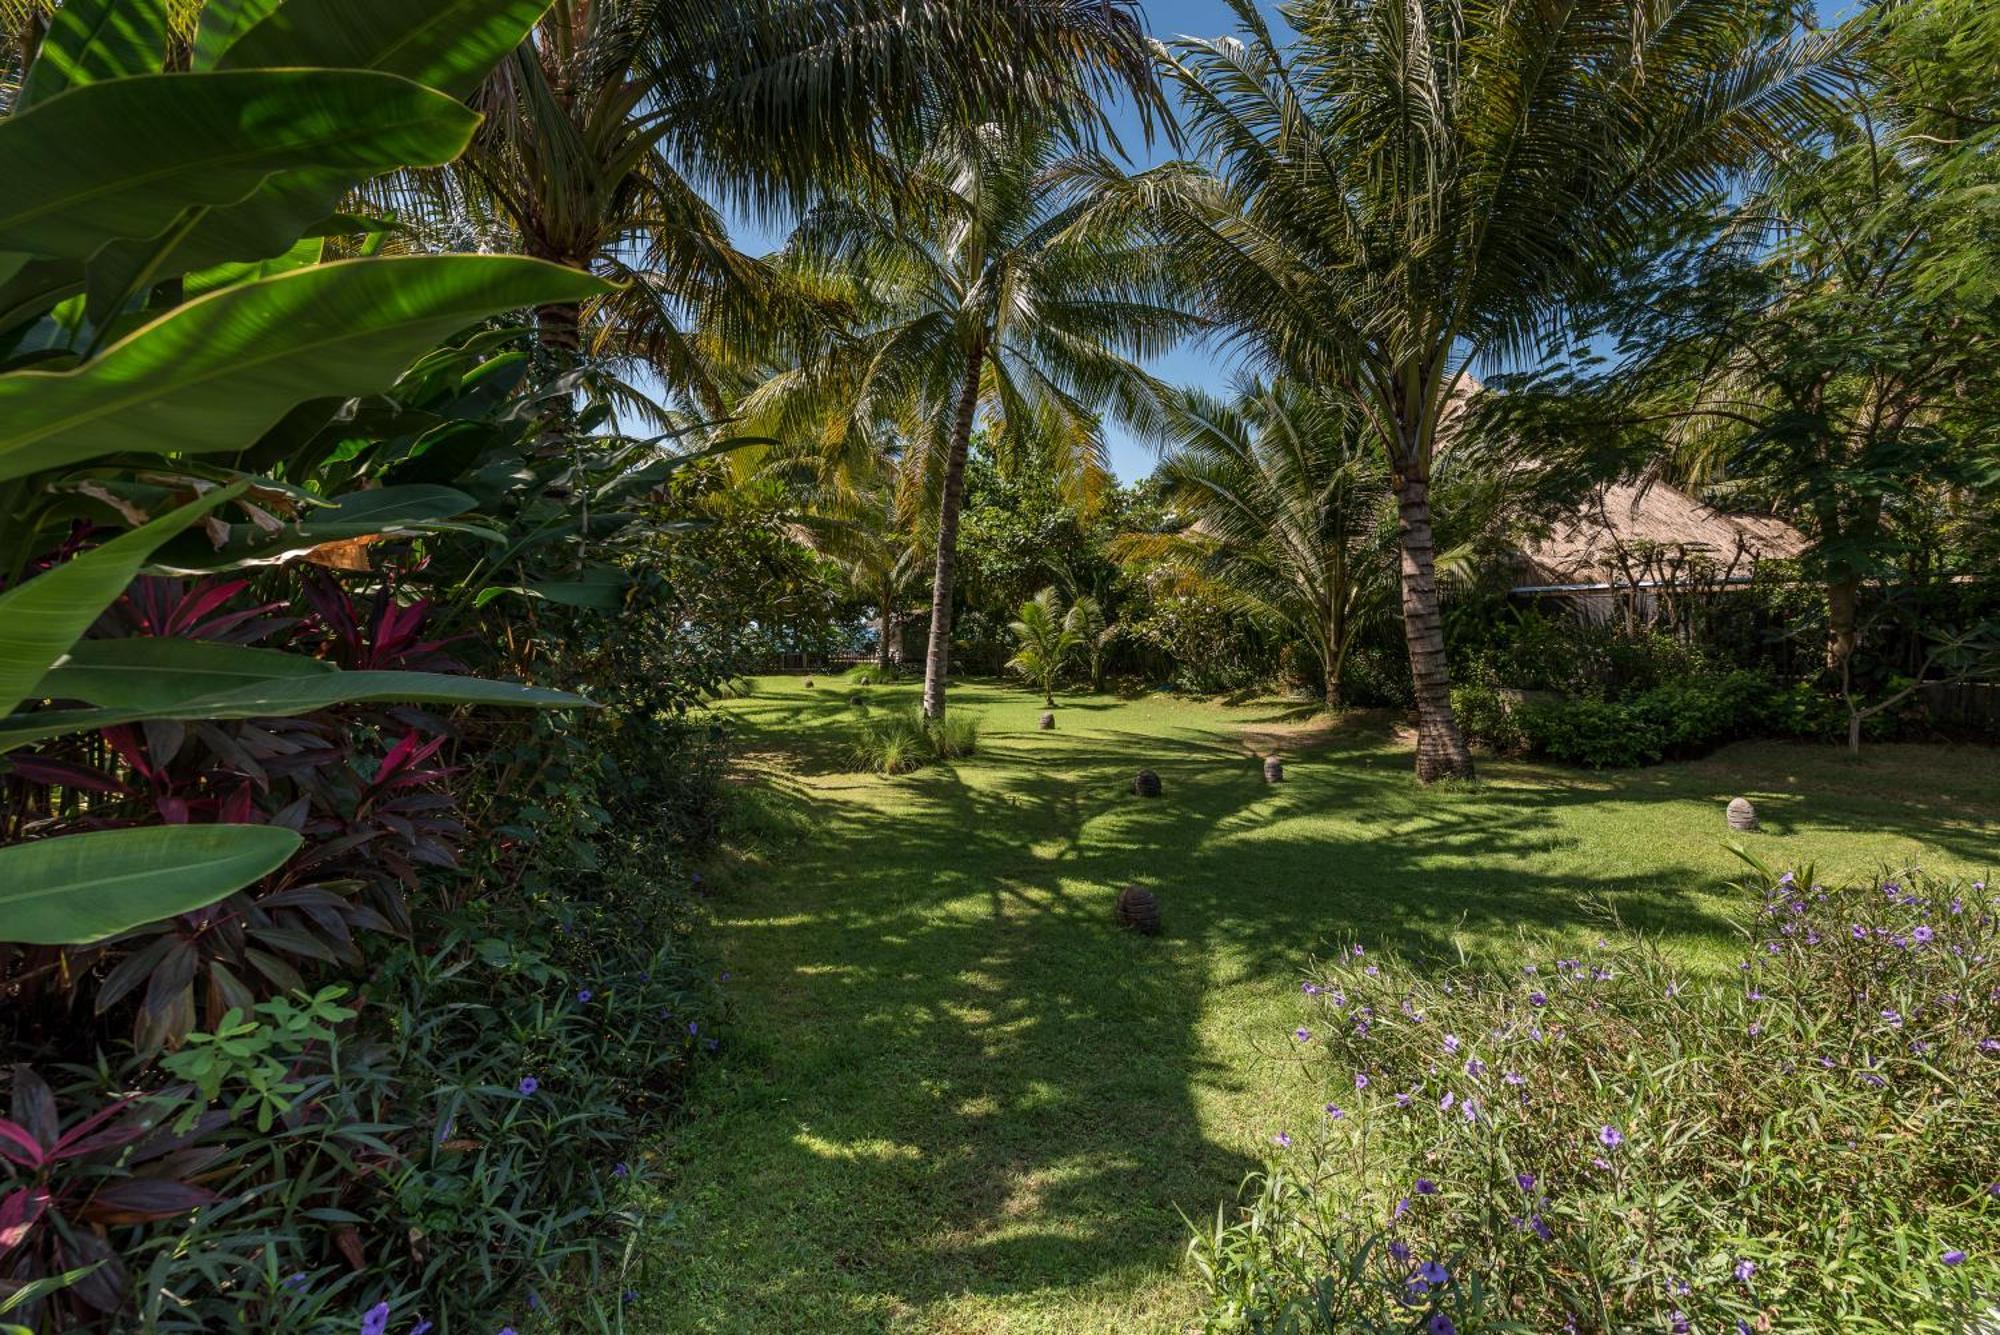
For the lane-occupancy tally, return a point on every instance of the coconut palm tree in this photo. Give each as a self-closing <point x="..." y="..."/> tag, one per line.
<point x="1415" y="186"/>
<point x="1045" y="638"/>
<point x="1086" y="621"/>
<point x="612" y="135"/>
<point x="981" y="283"/>
<point x="1280" y="493"/>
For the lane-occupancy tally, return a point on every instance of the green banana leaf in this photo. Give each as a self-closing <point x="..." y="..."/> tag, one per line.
<point x="41" y="618"/>
<point x="222" y="22"/>
<point x="80" y="888"/>
<point x="151" y="671"/>
<point x="283" y="697"/>
<point x="449" y="45"/>
<point x="92" y="40"/>
<point x="129" y="157"/>
<point x="215" y="374"/>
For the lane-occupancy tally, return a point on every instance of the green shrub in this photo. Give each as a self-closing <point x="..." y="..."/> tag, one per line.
<point x="873" y="674"/>
<point x="1486" y="714"/>
<point x="1803" y="1143"/>
<point x="1678" y="719"/>
<point x="904" y="741"/>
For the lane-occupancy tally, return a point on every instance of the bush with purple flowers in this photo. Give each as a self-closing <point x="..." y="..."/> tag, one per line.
<point x="1805" y="1142"/>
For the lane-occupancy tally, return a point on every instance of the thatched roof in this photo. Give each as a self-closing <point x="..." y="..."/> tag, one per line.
<point x="1629" y="531"/>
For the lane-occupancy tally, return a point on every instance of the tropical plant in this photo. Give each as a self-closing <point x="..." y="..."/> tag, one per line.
<point x="1279" y="497"/>
<point x="157" y="303"/>
<point x="1408" y="189"/>
<point x="1085" y="620"/>
<point x="1045" y="639"/>
<point x="981" y="282"/>
<point x="611" y="130"/>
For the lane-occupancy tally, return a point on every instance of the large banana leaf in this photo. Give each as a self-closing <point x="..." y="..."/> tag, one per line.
<point x="85" y="887"/>
<point x="41" y="618"/>
<point x="129" y="157"/>
<point x="449" y="45"/>
<point x="89" y="40"/>
<point x="215" y="374"/>
<point x="147" y="671"/>
<point x="222" y="22"/>
<point x="284" y="696"/>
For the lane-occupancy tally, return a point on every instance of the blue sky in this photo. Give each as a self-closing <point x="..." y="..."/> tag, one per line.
<point x="1190" y="364"/>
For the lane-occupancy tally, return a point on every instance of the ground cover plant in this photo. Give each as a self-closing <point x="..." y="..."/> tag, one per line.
<point x="960" y="1098"/>
<point x="1606" y="1141"/>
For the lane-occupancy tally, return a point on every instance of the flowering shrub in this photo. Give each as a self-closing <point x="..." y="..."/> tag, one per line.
<point x="1610" y="1143"/>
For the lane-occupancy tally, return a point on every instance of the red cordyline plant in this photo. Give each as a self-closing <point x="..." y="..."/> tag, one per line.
<point x="372" y="809"/>
<point x="65" y="1181"/>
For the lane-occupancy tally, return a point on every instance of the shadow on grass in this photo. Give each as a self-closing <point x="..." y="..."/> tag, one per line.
<point x="960" y="1081"/>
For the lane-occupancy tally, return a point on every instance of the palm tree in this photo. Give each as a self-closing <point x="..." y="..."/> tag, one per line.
<point x="1045" y="638"/>
<point x="981" y="283"/>
<point x="1415" y="186"/>
<point x="1281" y="497"/>
<point x="610" y="135"/>
<point x="1093" y="635"/>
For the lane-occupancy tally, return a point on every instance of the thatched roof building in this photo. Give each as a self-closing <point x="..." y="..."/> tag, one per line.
<point x="1635" y="535"/>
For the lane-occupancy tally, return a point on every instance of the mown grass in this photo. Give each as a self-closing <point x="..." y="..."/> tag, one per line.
<point x="955" y="1098"/>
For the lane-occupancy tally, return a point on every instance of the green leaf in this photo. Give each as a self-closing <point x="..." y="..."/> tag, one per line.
<point x="42" y="617"/>
<point x="222" y="22"/>
<point x="127" y="157"/>
<point x="400" y="510"/>
<point x="284" y="697"/>
<point x="306" y="252"/>
<point x="80" y="888"/>
<point x="450" y="45"/>
<point x="215" y="374"/>
<point x="153" y="672"/>
<point x="91" y="40"/>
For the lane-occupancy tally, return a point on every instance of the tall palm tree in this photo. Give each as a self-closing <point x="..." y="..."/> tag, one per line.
<point x="1281" y="496"/>
<point x="981" y="282"/>
<point x="612" y="135"/>
<point x="1415" y="186"/>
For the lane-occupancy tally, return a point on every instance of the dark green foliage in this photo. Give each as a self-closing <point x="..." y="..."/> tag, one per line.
<point x="1609" y="1144"/>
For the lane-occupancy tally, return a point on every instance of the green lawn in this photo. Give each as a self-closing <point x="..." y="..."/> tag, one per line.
<point x="957" y="1099"/>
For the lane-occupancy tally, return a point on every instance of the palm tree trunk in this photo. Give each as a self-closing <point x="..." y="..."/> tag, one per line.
<point x="1441" y="749"/>
<point x="937" y="660"/>
<point x="886" y="625"/>
<point x="560" y="328"/>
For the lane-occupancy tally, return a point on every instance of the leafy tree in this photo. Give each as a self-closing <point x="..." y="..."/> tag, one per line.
<point x="1045" y="639"/>
<point x="1414" y="186"/>
<point x="981" y="283"/>
<point x="1085" y="620"/>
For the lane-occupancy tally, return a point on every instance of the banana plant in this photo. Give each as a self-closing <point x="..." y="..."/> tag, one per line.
<point x="172" y="339"/>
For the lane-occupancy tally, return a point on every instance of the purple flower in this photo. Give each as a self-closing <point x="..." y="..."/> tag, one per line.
<point x="694" y="1027"/>
<point x="1475" y="1067"/>
<point x="528" y="1084"/>
<point x="1542" y="1230"/>
<point x="1745" y="1269"/>
<point x="1444" y="1104"/>
<point x="1402" y="1208"/>
<point x="1334" y="1112"/>
<point x="1440" y="1324"/>
<point x="1610" y="1137"/>
<point x="1426" y="1187"/>
<point x="583" y="996"/>
<point x="1359" y="952"/>
<point x="376" y="1320"/>
<point x="421" y="1328"/>
<point x="1891" y="1018"/>
<point x="1282" y="1140"/>
<point x="1525" y="1181"/>
<point x="1680" y="1324"/>
<point x="1360" y="1080"/>
<point x="1399" y="1249"/>
<point x="1515" y="1078"/>
<point x="1310" y="989"/>
<point x="297" y="1279"/>
<point x="1953" y="1257"/>
<point x="1538" y="999"/>
<point x="1989" y="1045"/>
<point x="1302" y="1034"/>
<point x="1860" y="932"/>
<point x="1922" y="935"/>
<point x="1433" y="1273"/>
<point x="620" y="1170"/>
<point x="1451" y="1043"/>
<point x="1403" y="1099"/>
